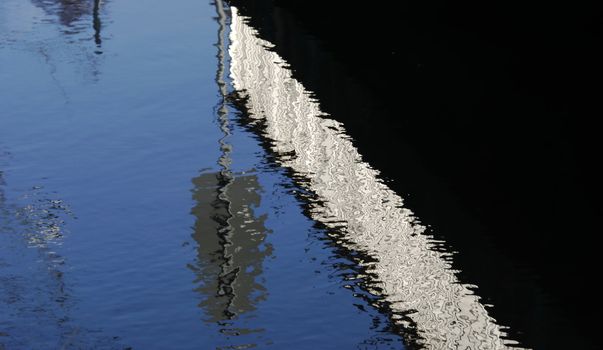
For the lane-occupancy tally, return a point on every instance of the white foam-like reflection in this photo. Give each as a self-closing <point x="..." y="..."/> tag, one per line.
<point x="414" y="277"/>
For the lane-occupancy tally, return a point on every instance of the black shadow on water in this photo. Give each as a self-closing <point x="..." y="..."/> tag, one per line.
<point x="478" y="115"/>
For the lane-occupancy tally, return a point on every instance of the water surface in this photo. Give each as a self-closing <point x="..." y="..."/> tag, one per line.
<point x="136" y="211"/>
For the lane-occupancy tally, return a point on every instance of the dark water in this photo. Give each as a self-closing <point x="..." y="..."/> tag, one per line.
<point x="481" y="115"/>
<point x="135" y="212"/>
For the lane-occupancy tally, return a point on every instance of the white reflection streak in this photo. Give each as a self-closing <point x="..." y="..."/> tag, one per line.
<point x="413" y="276"/>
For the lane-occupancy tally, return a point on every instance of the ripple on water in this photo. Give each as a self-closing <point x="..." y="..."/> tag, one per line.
<point x="415" y="278"/>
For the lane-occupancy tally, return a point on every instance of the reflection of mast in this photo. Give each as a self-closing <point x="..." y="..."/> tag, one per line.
<point x="230" y="237"/>
<point x="231" y="248"/>
<point x="221" y="109"/>
<point x="96" y="24"/>
<point x="72" y="15"/>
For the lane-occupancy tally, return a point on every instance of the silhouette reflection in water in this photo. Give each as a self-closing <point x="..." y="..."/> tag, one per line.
<point x="74" y="16"/>
<point x="230" y="235"/>
<point x="96" y="23"/>
<point x="231" y="245"/>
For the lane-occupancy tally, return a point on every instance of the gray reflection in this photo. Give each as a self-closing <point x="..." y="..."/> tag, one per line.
<point x="96" y="23"/>
<point x="74" y="14"/>
<point x="230" y="236"/>
<point x="231" y="244"/>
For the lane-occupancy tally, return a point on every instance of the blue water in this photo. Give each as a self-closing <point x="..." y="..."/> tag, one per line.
<point x="120" y="168"/>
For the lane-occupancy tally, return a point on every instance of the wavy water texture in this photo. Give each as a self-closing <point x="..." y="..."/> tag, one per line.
<point x="416" y="279"/>
<point x="36" y="300"/>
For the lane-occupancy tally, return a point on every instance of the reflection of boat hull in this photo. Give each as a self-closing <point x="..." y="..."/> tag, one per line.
<point x="497" y="133"/>
<point x="416" y="280"/>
